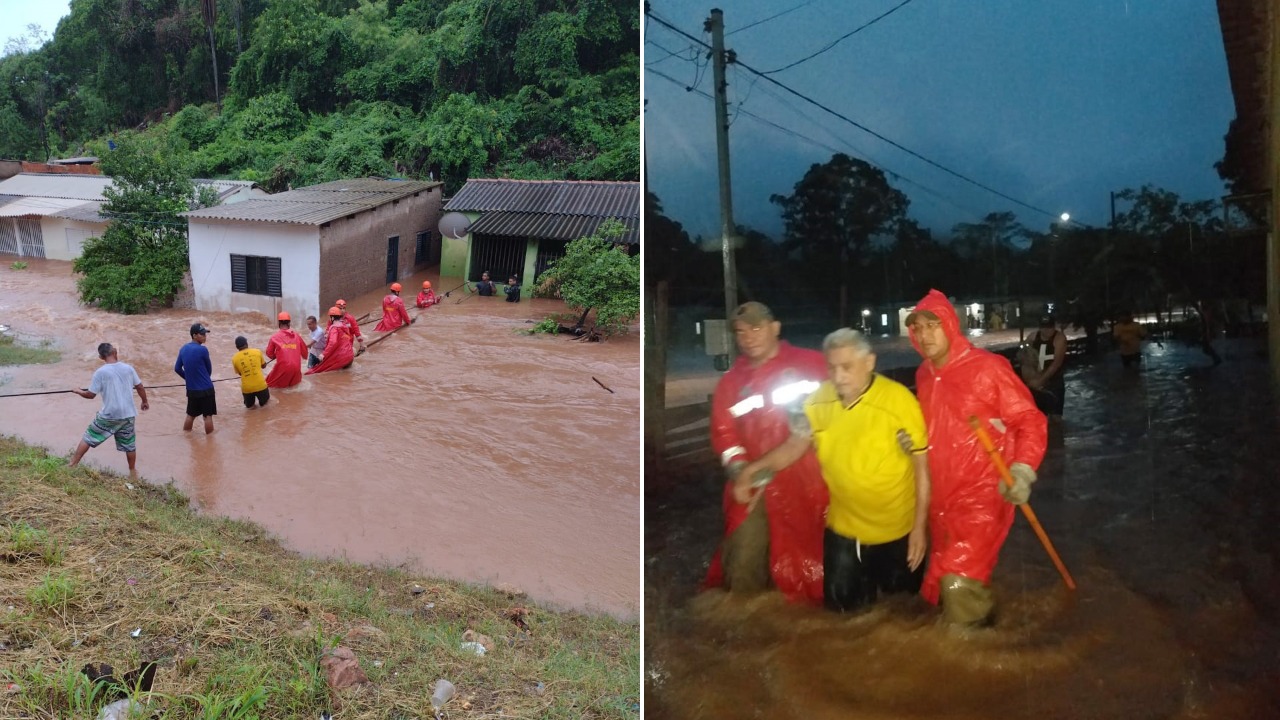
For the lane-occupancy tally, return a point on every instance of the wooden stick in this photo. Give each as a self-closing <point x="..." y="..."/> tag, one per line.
<point x="998" y="461"/>
<point x="606" y="387"/>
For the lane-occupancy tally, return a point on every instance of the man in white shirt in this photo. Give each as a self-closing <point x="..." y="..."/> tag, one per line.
<point x="317" y="342"/>
<point x="113" y="381"/>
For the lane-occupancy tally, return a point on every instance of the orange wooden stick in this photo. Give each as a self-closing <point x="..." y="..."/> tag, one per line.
<point x="998" y="461"/>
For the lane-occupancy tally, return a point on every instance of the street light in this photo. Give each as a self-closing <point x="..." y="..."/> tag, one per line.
<point x="865" y="314"/>
<point x="1065" y="217"/>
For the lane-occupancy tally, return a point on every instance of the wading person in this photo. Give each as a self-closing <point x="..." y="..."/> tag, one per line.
<point x="426" y="296"/>
<point x="777" y="540"/>
<point x="1048" y="351"/>
<point x="485" y="286"/>
<point x="1129" y="336"/>
<point x="248" y="363"/>
<point x="338" y="352"/>
<point x="353" y="326"/>
<point x="288" y="349"/>
<point x="315" y="345"/>
<point x="194" y="367"/>
<point x="876" y="536"/>
<point x="394" y="314"/>
<point x="115" y="382"/>
<point x="971" y="509"/>
<point x="512" y="289"/>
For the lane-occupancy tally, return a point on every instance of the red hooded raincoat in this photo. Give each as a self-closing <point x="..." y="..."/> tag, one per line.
<point x="968" y="518"/>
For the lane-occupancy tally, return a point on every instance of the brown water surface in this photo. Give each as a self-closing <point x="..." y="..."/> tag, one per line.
<point x="456" y="447"/>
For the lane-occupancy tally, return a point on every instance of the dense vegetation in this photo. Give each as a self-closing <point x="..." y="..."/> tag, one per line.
<point x="307" y="91"/>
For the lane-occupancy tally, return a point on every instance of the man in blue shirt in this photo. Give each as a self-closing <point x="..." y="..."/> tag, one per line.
<point x="194" y="366"/>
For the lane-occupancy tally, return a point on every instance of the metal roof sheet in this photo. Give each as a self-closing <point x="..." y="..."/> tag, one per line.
<point x="564" y="197"/>
<point x="87" y="212"/>
<point x="60" y="185"/>
<point x="316" y="204"/>
<point x="37" y="206"/>
<point x="548" y="225"/>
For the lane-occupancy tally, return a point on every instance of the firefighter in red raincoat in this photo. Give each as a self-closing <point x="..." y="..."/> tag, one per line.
<point x="778" y="539"/>
<point x="971" y="509"/>
<point x="337" y="347"/>
<point x="394" y="314"/>
<point x="353" y="326"/>
<point x="427" y="297"/>
<point x="288" y="349"/>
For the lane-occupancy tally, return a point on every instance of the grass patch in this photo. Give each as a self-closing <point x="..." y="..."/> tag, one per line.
<point x="238" y="625"/>
<point x="13" y="353"/>
<point x="18" y="265"/>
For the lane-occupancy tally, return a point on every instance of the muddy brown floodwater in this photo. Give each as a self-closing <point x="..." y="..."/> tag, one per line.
<point x="457" y="447"/>
<point x="1160" y="494"/>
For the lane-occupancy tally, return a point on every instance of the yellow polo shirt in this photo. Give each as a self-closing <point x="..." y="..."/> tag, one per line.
<point x="872" y="481"/>
<point x="248" y="364"/>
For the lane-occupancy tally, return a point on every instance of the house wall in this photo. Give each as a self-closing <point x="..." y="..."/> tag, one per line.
<point x="455" y="254"/>
<point x="297" y="246"/>
<point x="64" y="239"/>
<point x="353" y="250"/>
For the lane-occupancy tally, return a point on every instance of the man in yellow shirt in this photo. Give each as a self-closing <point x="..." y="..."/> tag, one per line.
<point x="875" y="541"/>
<point x="248" y="364"/>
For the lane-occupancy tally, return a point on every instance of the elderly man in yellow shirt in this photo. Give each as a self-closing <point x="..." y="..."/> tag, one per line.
<point x="248" y="363"/>
<point x="858" y="422"/>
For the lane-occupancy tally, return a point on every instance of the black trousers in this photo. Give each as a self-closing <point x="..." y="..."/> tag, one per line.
<point x="854" y="574"/>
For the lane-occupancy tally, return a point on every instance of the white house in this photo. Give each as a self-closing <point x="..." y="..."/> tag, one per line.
<point x="299" y="251"/>
<point x="50" y="215"/>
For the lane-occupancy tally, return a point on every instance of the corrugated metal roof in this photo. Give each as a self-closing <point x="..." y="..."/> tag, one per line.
<point x="562" y="197"/>
<point x="87" y="212"/>
<point x="60" y="185"/>
<point x="548" y="225"/>
<point x="316" y="204"/>
<point x="37" y="206"/>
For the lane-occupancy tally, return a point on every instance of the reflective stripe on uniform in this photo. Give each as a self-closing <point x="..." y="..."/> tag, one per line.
<point x="790" y="392"/>
<point x="731" y="453"/>
<point x="755" y="402"/>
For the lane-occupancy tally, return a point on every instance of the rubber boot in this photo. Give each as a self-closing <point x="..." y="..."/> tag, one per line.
<point x="965" y="601"/>
<point x="745" y="554"/>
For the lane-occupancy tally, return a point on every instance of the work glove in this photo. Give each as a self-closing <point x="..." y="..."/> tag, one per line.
<point x="1023" y="476"/>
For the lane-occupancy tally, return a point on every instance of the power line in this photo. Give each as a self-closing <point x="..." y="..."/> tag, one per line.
<point x="842" y="38"/>
<point x="669" y="53"/>
<point x="864" y="128"/>
<point x="818" y="143"/>
<point x="771" y="17"/>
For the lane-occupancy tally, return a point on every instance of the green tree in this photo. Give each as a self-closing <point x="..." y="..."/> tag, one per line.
<point x="989" y="245"/>
<point x="597" y="273"/>
<point x="832" y="215"/>
<point x="141" y="257"/>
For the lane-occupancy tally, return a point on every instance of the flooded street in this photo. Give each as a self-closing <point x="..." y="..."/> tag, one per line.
<point x="456" y="447"/>
<point x="1160" y="495"/>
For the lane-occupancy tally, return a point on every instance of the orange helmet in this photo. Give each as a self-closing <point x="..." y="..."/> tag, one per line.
<point x="395" y="287"/>
<point x="335" y="311"/>
<point x="283" y="317"/>
<point x="426" y="284"/>
<point x="341" y="303"/>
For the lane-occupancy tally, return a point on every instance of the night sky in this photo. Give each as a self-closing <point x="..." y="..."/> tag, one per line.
<point x="1055" y="103"/>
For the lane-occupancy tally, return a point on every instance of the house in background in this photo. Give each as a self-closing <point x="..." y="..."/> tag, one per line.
<point x="51" y="215"/>
<point x="519" y="227"/>
<point x="300" y="250"/>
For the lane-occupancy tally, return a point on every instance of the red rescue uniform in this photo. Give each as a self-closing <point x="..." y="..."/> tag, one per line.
<point x="427" y="298"/>
<point x="394" y="314"/>
<point x="749" y="417"/>
<point x="353" y="326"/>
<point x="288" y="349"/>
<point x="338" y="352"/>
<point x="968" y="518"/>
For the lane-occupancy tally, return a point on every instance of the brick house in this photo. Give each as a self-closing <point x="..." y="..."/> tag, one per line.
<point x="52" y="214"/>
<point x="519" y="227"/>
<point x="298" y="251"/>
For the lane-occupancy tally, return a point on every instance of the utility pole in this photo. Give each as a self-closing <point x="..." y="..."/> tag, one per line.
<point x="715" y="25"/>
<point x="1106" y="261"/>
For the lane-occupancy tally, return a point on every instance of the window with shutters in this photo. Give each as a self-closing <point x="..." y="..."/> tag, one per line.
<point x="255" y="275"/>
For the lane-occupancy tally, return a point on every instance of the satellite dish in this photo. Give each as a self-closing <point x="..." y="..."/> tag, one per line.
<point x="454" y="225"/>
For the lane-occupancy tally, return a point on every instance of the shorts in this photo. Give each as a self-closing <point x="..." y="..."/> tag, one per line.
<point x="262" y="396"/>
<point x="1134" y="359"/>
<point x="312" y="361"/>
<point x="854" y="574"/>
<point x="201" y="402"/>
<point x="102" y="428"/>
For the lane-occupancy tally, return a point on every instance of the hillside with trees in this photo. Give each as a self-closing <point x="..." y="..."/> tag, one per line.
<point x="294" y="92"/>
